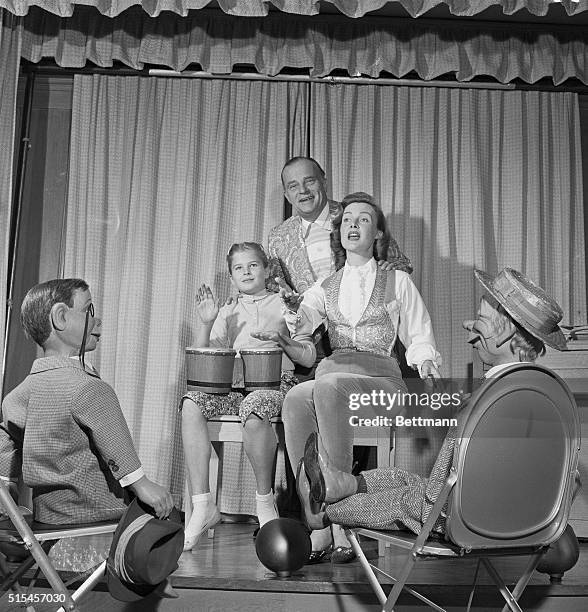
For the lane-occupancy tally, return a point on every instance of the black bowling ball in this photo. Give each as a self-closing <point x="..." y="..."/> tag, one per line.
<point x="283" y="546"/>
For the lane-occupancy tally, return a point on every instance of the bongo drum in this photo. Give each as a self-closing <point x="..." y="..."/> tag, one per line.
<point x="210" y="369"/>
<point x="262" y="368"/>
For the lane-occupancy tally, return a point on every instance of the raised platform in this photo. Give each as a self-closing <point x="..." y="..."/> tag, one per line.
<point x="225" y="575"/>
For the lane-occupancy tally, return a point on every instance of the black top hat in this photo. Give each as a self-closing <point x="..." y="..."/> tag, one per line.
<point x="528" y="304"/>
<point x="144" y="552"/>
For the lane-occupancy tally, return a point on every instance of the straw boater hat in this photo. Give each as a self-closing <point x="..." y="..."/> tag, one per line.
<point x="144" y="552"/>
<point x="527" y="304"/>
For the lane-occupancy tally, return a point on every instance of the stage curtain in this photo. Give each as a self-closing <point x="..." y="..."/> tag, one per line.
<point x="10" y="40"/>
<point x="369" y="46"/>
<point x="165" y="175"/>
<point x="252" y="8"/>
<point x="468" y="178"/>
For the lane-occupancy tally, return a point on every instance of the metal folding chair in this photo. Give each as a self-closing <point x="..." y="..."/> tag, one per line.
<point x="511" y="484"/>
<point x="36" y="539"/>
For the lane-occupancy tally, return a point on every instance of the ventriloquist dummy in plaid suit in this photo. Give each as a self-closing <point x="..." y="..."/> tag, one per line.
<point x="63" y="427"/>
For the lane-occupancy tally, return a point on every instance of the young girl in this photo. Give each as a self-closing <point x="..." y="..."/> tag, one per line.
<point x="253" y="321"/>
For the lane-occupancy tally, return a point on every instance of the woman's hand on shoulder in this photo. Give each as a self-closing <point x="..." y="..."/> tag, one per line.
<point x="207" y="306"/>
<point x="386" y="265"/>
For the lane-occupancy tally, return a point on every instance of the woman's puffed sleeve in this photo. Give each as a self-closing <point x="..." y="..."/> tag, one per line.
<point x="415" y="329"/>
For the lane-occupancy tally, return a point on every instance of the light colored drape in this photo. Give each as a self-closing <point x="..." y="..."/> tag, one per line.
<point x="468" y="178"/>
<point x="251" y="8"/>
<point x="369" y="46"/>
<point x="10" y="41"/>
<point x="165" y="175"/>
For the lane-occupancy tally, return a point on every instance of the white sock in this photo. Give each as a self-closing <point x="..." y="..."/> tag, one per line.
<point x="266" y="507"/>
<point x="202" y="506"/>
<point x="201" y="498"/>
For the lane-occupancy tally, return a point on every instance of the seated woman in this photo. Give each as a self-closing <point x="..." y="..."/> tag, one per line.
<point x="364" y="309"/>
<point x="235" y="326"/>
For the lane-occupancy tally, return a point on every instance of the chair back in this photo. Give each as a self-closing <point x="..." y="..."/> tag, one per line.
<point x="516" y="458"/>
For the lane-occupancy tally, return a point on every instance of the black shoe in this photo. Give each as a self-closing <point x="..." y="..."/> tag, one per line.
<point x="318" y="556"/>
<point x="343" y="554"/>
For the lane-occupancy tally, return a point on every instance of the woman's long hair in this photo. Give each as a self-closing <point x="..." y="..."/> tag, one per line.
<point x="380" y="244"/>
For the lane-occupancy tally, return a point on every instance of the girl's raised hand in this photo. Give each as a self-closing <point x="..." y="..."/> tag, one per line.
<point x="207" y="305"/>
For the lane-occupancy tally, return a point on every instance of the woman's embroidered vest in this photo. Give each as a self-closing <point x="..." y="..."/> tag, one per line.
<point x="375" y="330"/>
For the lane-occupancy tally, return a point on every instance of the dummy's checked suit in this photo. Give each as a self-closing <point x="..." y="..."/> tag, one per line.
<point x="64" y="430"/>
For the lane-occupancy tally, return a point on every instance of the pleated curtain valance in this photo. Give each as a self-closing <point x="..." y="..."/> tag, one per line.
<point x="260" y="8"/>
<point x="369" y="46"/>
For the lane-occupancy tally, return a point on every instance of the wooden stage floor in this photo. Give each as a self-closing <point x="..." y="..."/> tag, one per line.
<point x="224" y="575"/>
<point x="227" y="568"/>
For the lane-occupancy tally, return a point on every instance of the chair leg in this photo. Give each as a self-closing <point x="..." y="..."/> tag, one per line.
<point x="214" y="474"/>
<point x="88" y="584"/>
<point x="366" y="566"/>
<point x="32" y="544"/>
<point x="383" y="449"/>
<point x="399" y="584"/>
<point x="11" y="578"/>
<point x="526" y="576"/>
<point x="511" y="601"/>
<point x="11" y="581"/>
<point x="383" y="453"/>
<point x="371" y="570"/>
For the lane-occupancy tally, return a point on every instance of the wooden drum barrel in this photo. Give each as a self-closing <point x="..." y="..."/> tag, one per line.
<point x="262" y="368"/>
<point x="210" y="369"/>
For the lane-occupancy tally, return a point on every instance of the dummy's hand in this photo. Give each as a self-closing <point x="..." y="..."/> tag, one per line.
<point x="429" y="370"/>
<point x="207" y="305"/>
<point x="290" y="298"/>
<point x="153" y="495"/>
<point x="385" y="265"/>
<point x="271" y="335"/>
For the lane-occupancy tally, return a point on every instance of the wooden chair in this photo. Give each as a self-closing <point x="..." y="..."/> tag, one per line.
<point x="511" y="484"/>
<point x="35" y="540"/>
<point x="221" y="429"/>
<point x="382" y="438"/>
<point x="229" y="429"/>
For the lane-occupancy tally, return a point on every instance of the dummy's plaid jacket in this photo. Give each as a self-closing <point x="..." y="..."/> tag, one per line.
<point x="65" y="430"/>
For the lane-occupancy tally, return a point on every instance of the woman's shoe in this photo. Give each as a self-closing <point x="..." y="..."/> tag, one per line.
<point x="208" y="525"/>
<point x="318" y="556"/>
<point x="343" y="554"/>
<point x="327" y="483"/>
<point x="312" y="518"/>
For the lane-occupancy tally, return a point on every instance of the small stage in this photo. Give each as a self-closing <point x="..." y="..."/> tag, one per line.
<point x="224" y="575"/>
